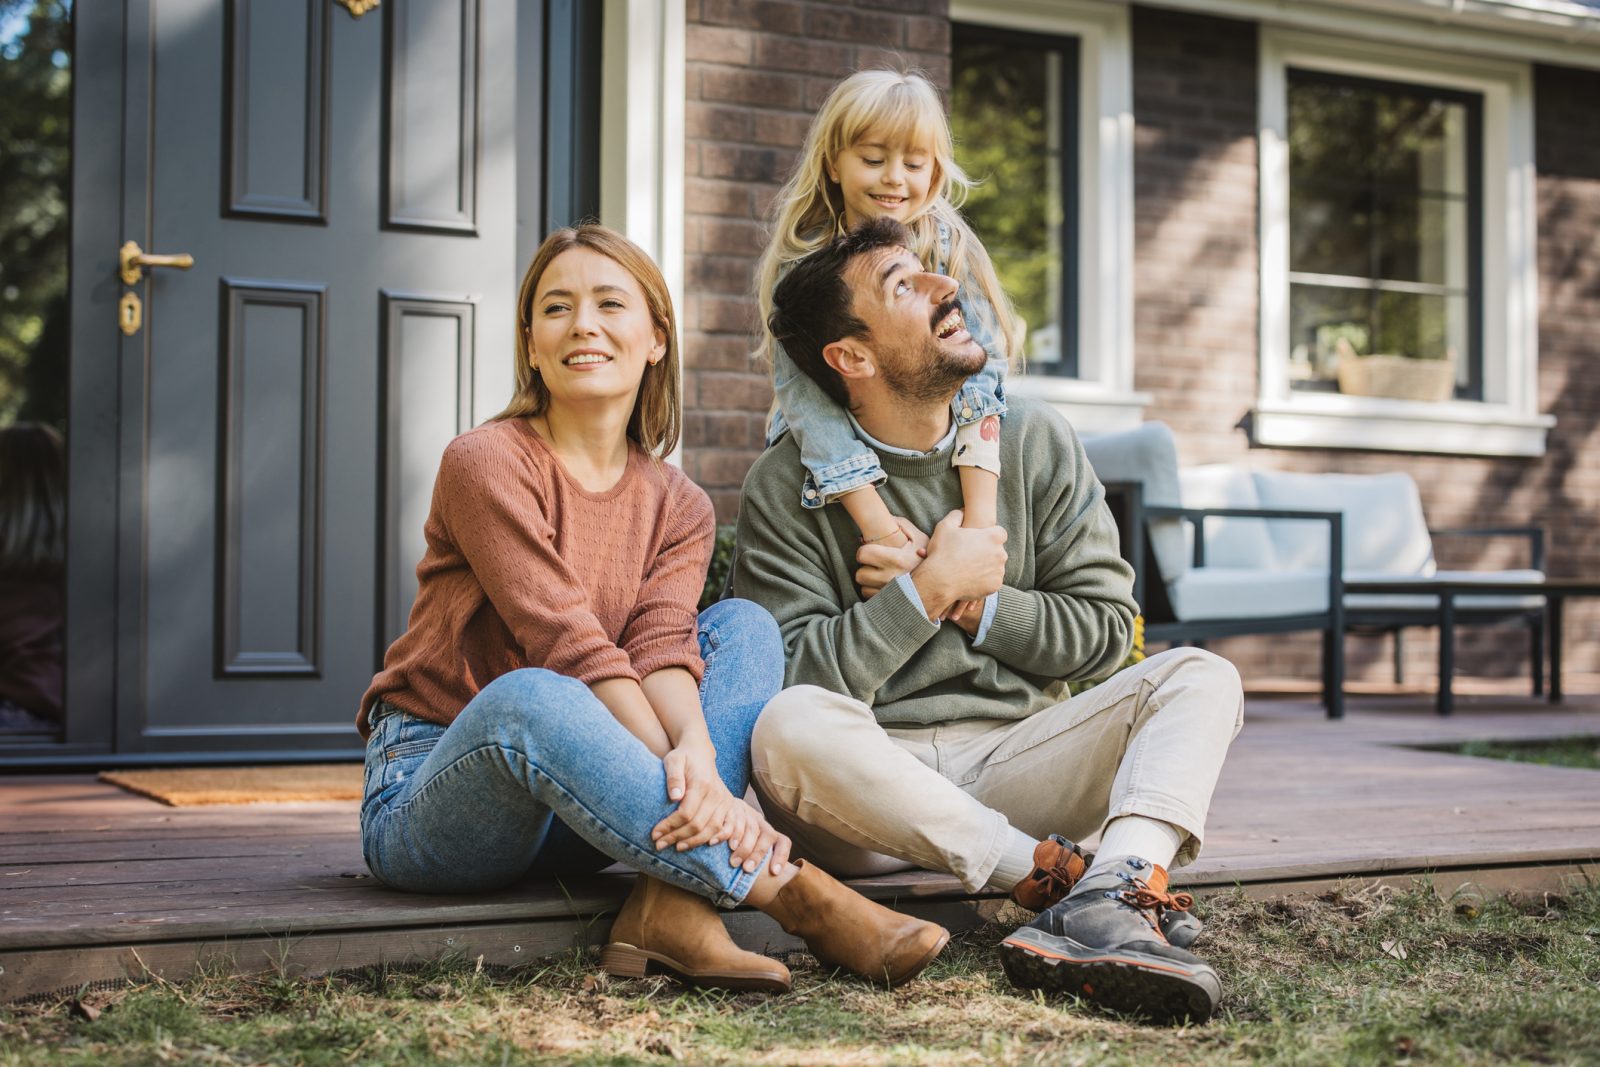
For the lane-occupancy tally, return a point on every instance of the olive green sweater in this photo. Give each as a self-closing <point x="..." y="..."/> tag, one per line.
<point x="1065" y="612"/>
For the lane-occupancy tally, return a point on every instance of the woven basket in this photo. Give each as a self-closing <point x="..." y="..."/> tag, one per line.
<point x="1400" y="377"/>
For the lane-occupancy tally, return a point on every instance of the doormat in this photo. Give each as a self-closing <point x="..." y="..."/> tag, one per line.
<point x="190" y="786"/>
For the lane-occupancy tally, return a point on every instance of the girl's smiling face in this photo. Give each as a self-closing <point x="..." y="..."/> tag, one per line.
<point x="882" y="176"/>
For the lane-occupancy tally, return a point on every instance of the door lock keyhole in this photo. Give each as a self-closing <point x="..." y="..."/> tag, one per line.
<point x="130" y="313"/>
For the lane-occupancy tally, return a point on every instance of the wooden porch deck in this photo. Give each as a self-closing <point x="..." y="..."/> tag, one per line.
<point x="97" y="885"/>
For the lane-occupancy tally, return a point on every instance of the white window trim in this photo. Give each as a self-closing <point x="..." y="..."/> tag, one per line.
<point x="1507" y="422"/>
<point x="642" y="107"/>
<point x="1102" y="398"/>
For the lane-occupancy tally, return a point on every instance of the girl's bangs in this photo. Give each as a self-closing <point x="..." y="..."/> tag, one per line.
<point x="904" y="115"/>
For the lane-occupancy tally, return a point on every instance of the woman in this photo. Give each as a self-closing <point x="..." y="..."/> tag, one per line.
<point x="554" y="705"/>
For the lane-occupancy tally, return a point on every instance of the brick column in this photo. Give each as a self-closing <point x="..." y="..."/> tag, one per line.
<point x="757" y="71"/>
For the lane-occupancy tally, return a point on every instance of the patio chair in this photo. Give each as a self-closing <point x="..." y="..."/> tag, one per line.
<point x="1199" y="574"/>
<point x="1387" y="538"/>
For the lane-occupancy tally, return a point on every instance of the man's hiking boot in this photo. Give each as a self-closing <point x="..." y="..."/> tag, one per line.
<point x="1104" y="943"/>
<point x="1180" y="928"/>
<point x="1057" y="866"/>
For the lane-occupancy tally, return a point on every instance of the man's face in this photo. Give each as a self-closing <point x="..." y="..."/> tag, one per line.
<point x="914" y="325"/>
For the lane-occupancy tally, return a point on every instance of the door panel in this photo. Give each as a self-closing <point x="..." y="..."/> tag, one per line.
<point x="430" y="180"/>
<point x="271" y="446"/>
<point x="427" y="355"/>
<point x="278" y="69"/>
<point x="351" y="209"/>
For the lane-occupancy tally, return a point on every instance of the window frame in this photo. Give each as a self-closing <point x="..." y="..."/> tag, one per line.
<point x="1506" y="420"/>
<point x="1070" y="47"/>
<point x="1473" y="104"/>
<point x="1101" y="398"/>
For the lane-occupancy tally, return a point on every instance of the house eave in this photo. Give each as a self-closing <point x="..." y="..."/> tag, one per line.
<point x="1544" y="31"/>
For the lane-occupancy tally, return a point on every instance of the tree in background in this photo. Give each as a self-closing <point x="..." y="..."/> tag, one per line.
<point x="35" y="171"/>
<point x="1003" y="139"/>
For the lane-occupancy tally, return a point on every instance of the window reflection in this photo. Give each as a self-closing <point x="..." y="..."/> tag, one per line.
<point x="1382" y="245"/>
<point x="1012" y="110"/>
<point x="33" y="542"/>
<point x="35" y="157"/>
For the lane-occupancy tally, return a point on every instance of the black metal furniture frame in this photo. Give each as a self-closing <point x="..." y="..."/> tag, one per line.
<point x="1554" y="590"/>
<point x="1378" y="620"/>
<point x="1126" y="500"/>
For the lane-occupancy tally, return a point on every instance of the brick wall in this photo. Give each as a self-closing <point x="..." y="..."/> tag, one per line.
<point x="1195" y="310"/>
<point x="757" y="72"/>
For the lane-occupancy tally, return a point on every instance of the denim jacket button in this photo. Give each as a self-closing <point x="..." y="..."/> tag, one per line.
<point x="811" y="494"/>
<point x="966" y="413"/>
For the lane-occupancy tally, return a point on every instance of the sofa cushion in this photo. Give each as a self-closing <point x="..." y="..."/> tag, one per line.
<point x="1384" y="529"/>
<point x="1145" y="454"/>
<point x="1422" y="602"/>
<point x="1247" y="593"/>
<point x="1229" y="542"/>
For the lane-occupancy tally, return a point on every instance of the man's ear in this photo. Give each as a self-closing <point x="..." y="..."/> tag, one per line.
<point x="851" y="359"/>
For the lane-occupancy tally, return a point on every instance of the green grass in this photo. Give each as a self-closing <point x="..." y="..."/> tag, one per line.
<point x="1364" y="975"/>
<point x="1581" y="752"/>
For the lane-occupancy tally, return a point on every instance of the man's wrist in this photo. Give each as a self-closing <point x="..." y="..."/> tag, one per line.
<point x="935" y="600"/>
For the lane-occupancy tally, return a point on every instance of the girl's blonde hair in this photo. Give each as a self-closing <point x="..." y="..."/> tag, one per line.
<point x="903" y="106"/>
<point x="657" y="417"/>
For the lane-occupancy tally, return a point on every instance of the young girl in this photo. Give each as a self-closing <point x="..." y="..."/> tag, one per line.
<point x="881" y="146"/>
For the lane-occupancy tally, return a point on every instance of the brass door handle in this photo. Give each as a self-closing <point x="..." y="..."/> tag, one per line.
<point x="133" y="258"/>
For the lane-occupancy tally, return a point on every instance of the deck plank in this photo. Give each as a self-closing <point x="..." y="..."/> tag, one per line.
<point x="97" y="883"/>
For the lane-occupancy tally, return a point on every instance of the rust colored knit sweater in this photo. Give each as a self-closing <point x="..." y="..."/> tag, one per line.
<point x="526" y="568"/>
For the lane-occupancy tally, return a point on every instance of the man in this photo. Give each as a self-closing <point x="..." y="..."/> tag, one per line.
<point x="929" y="721"/>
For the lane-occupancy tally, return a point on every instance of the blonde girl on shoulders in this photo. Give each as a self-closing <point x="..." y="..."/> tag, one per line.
<point x="881" y="147"/>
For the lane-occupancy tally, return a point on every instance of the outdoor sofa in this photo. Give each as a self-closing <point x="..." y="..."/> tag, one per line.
<point x="1224" y="549"/>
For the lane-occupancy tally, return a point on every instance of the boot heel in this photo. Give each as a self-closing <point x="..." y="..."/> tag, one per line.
<point x="624" y="961"/>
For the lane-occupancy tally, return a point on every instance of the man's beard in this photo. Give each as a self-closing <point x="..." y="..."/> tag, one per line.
<point x="929" y="373"/>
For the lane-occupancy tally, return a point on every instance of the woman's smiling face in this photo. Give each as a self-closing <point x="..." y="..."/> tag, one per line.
<point x="881" y="176"/>
<point x="591" y="332"/>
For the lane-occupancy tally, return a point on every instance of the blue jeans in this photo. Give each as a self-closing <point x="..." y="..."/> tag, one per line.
<point x="536" y="778"/>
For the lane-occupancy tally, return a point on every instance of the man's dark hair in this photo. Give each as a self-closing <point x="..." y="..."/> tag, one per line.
<point x="811" y="307"/>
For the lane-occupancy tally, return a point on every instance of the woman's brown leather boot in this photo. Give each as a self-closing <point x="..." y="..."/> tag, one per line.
<point x="662" y="928"/>
<point x="845" y="929"/>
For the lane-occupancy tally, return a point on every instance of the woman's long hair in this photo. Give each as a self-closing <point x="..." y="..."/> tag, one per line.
<point x="33" y="508"/>
<point x="657" y="419"/>
<point x="809" y="212"/>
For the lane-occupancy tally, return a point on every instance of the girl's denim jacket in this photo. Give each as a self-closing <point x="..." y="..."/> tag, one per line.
<point x="836" y="460"/>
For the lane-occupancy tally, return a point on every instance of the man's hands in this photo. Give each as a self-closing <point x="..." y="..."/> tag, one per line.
<point x="708" y="814"/>
<point x="961" y="565"/>
<point x="954" y="570"/>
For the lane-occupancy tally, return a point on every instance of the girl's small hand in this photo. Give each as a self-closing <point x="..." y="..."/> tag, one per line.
<point x="882" y="564"/>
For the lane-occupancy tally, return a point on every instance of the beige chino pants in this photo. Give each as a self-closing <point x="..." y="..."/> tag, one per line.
<point x="861" y="799"/>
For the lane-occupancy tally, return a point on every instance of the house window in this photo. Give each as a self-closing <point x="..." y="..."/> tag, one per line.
<point x="1385" y="255"/>
<point x="1399" y="278"/>
<point x="1013" y="111"/>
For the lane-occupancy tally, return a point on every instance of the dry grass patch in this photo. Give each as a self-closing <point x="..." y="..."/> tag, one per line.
<point x="1363" y="975"/>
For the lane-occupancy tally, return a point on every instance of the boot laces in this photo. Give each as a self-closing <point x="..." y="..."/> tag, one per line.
<point x="1058" y="880"/>
<point x="1150" y="903"/>
<point x="1146" y="899"/>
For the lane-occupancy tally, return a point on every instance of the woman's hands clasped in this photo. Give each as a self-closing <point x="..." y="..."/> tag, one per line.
<point x="708" y="814"/>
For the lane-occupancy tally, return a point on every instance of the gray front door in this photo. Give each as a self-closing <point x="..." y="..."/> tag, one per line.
<point x="347" y="187"/>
